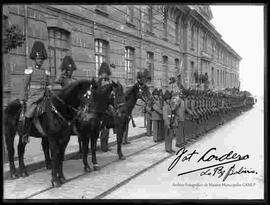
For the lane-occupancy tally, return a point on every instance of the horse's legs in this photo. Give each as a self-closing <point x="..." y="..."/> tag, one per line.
<point x="9" y="138"/>
<point x="46" y="150"/>
<point x="21" y="150"/>
<point x="62" y="158"/>
<point x="80" y="144"/>
<point x="125" y="133"/>
<point x="85" y="144"/>
<point x="55" y="161"/>
<point x="119" y="136"/>
<point x="94" y="137"/>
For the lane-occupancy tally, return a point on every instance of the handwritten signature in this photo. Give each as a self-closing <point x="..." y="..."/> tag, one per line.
<point x="182" y="155"/>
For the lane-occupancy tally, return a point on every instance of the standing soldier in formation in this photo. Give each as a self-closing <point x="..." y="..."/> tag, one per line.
<point x="168" y="122"/>
<point x="37" y="80"/>
<point x="67" y="67"/>
<point x="156" y="115"/>
<point x="147" y="110"/>
<point x="161" y="131"/>
<point x="180" y="118"/>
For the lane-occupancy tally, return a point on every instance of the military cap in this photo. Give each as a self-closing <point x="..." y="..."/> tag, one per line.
<point x="167" y="95"/>
<point x="104" y="68"/>
<point x="155" y="92"/>
<point x="38" y="50"/>
<point x="68" y="64"/>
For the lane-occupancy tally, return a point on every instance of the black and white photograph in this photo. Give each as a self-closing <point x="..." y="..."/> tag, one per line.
<point x="133" y="101"/>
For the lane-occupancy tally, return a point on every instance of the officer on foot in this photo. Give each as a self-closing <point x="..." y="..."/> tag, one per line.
<point x="104" y="74"/>
<point x="168" y="122"/>
<point x="156" y="115"/>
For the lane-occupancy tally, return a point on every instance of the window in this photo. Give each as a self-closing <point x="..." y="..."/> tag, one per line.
<point x="130" y="14"/>
<point x="59" y="45"/>
<point x="204" y="42"/>
<point x="101" y="53"/>
<point x="165" y="23"/>
<point x="150" y="64"/>
<point x="176" y="61"/>
<point x="165" y="69"/>
<point x="150" y="18"/>
<point x="212" y="76"/>
<point x="192" y="37"/>
<point x="129" y="64"/>
<point x="217" y="77"/>
<point x="177" y="27"/>
<point x="192" y="71"/>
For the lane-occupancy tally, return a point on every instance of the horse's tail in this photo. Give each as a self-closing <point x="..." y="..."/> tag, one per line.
<point x="12" y="111"/>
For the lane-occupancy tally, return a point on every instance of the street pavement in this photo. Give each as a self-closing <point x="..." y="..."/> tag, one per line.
<point x="34" y="153"/>
<point x="144" y="174"/>
<point x="243" y="135"/>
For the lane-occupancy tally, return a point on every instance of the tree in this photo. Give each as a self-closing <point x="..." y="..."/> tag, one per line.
<point x="12" y="38"/>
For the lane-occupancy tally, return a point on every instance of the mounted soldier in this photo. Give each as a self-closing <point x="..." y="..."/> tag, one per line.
<point x="67" y="67"/>
<point x="37" y="81"/>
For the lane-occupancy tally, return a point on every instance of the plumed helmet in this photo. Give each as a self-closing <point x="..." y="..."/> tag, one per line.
<point x="104" y="68"/>
<point x="68" y="64"/>
<point x="147" y="74"/>
<point x="38" y="50"/>
<point x="172" y="80"/>
<point x="139" y="75"/>
<point x="167" y="95"/>
<point x="160" y="92"/>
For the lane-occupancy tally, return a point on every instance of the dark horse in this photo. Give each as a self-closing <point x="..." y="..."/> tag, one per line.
<point x="60" y="111"/>
<point x="137" y="91"/>
<point x="89" y="121"/>
<point x="124" y="103"/>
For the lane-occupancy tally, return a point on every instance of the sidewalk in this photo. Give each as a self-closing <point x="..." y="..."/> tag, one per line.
<point x="34" y="157"/>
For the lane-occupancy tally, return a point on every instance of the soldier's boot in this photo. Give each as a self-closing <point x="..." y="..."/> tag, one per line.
<point x="26" y="130"/>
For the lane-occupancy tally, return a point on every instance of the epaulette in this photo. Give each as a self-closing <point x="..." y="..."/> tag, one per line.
<point x="47" y="72"/>
<point x="28" y="70"/>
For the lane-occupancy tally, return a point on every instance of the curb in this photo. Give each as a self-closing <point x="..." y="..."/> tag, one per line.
<point x="73" y="155"/>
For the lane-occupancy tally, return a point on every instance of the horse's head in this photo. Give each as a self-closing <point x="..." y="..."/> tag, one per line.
<point x="143" y="92"/>
<point x="119" y="100"/>
<point x="73" y="94"/>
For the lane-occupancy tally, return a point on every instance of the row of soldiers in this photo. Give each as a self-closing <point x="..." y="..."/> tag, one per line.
<point x="188" y="114"/>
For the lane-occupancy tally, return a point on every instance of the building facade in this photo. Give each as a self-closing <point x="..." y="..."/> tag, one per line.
<point x="166" y="39"/>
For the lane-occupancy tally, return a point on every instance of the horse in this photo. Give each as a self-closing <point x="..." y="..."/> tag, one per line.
<point x="118" y="118"/>
<point x="137" y="91"/>
<point x="89" y="121"/>
<point x="60" y="112"/>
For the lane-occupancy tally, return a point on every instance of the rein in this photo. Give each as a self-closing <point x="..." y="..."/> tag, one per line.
<point x="59" y="114"/>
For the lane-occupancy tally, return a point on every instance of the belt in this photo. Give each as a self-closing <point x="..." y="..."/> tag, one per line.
<point x="36" y="86"/>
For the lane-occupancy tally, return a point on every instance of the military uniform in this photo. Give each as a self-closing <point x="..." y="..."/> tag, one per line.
<point x="36" y="81"/>
<point x="67" y="68"/>
<point x="156" y="116"/>
<point x="180" y="121"/>
<point x="104" y="73"/>
<point x="161" y="131"/>
<point x="167" y="119"/>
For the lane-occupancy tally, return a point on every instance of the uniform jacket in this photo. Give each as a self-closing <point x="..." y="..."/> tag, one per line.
<point x="180" y="111"/>
<point x="34" y="84"/>
<point x="64" y="80"/>
<point x="166" y="113"/>
<point x="157" y="110"/>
